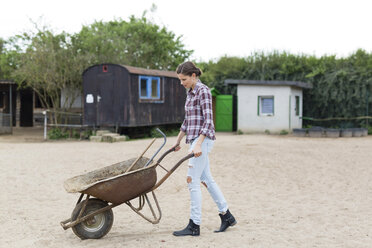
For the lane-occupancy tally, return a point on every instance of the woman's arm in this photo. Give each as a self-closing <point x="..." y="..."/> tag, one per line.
<point x="207" y="112"/>
<point x="180" y="136"/>
<point x="197" y="148"/>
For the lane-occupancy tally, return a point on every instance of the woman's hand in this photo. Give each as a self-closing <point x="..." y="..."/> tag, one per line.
<point x="197" y="150"/>
<point x="177" y="147"/>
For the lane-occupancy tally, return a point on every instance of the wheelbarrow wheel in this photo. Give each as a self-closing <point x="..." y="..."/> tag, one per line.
<point x="95" y="227"/>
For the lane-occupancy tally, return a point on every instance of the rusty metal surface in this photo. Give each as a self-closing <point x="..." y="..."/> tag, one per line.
<point x="84" y="181"/>
<point x="150" y="72"/>
<point x="125" y="187"/>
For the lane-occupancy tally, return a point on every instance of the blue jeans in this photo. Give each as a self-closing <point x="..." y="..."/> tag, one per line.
<point x="199" y="171"/>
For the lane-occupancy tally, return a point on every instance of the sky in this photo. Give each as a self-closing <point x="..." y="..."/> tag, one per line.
<point x="214" y="28"/>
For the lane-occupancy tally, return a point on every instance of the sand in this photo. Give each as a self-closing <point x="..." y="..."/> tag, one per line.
<point x="284" y="192"/>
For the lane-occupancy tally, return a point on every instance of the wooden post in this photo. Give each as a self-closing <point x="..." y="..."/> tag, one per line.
<point x="130" y="167"/>
<point x="18" y="109"/>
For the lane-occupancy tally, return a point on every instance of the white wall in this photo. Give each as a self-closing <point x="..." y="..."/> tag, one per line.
<point x="249" y="121"/>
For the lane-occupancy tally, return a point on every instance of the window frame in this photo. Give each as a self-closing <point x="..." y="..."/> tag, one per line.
<point x="259" y="106"/>
<point x="149" y="80"/>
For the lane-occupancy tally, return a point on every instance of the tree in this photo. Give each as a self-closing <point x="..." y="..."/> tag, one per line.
<point x="214" y="74"/>
<point x="137" y="42"/>
<point x="51" y="63"/>
<point x="48" y="65"/>
<point x="8" y="60"/>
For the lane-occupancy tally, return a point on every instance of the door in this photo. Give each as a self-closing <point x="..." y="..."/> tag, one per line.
<point x="224" y="113"/>
<point x="27" y="109"/>
<point x="105" y="101"/>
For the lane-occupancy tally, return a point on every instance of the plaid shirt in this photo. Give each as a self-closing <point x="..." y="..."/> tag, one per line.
<point x="198" y="113"/>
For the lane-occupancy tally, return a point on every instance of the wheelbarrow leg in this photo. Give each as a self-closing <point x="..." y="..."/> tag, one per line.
<point x="141" y="203"/>
<point x="157" y="205"/>
<point x="83" y="208"/>
<point x="155" y="219"/>
<point x="64" y="222"/>
<point x="79" y="200"/>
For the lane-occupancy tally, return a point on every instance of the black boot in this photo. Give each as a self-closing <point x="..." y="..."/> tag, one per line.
<point x="191" y="229"/>
<point x="226" y="221"/>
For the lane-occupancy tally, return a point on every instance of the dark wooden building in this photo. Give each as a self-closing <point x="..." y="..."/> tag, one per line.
<point x="125" y="96"/>
<point x="17" y="103"/>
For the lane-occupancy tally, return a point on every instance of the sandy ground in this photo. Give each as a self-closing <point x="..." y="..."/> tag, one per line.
<point x="284" y="191"/>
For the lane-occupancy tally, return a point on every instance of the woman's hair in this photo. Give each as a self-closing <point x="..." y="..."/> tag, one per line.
<point x="188" y="68"/>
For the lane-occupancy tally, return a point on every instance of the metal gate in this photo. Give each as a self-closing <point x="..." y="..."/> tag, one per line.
<point x="5" y="123"/>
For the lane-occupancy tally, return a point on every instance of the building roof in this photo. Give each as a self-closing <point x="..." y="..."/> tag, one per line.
<point x="6" y="82"/>
<point x="142" y="71"/>
<point x="139" y="71"/>
<point x="268" y="83"/>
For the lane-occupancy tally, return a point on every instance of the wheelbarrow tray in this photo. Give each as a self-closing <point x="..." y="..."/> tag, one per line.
<point x="112" y="184"/>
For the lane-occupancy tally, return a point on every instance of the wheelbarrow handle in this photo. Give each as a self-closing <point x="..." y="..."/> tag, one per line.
<point x="173" y="149"/>
<point x="188" y="156"/>
<point x="171" y="170"/>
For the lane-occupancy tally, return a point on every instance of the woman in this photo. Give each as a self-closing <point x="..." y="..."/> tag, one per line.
<point x="199" y="130"/>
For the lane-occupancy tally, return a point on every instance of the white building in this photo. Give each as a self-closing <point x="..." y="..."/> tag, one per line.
<point x="269" y="105"/>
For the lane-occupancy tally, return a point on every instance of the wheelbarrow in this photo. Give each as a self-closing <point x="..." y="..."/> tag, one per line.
<point x="113" y="185"/>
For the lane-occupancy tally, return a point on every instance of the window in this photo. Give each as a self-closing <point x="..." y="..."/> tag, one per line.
<point x="149" y="88"/>
<point x="297" y="106"/>
<point x="265" y="105"/>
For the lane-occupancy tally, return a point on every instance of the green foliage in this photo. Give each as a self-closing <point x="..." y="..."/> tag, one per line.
<point x="239" y="132"/>
<point x="283" y="132"/>
<point x="57" y="133"/>
<point x="8" y="60"/>
<point x="50" y="63"/>
<point x="71" y="133"/>
<point x="267" y="131"/>
<point x="74" y="134"/>
<point x="137" y="42"/>
<point x="87" y="133"/>
<point x="369" y="130"/>
<point x="342" y="87"/>
<point x="47" y="64"/>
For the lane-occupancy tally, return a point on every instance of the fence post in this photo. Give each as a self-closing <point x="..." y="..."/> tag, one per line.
<point x="81" y="126"/>
<point x="367" y="114"/>
<point x="11" y="108"/>
<point x="45" y="124"/>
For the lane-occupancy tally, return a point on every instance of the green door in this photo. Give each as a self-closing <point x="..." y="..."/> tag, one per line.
<point x="224" y="113"/>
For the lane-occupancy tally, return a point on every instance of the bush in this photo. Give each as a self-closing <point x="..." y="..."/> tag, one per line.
<point x="369" y="130"/>
<point x="87" y="133"/>
<point x="283" y="132"/>
<point x="57" y="133"/>
<point x="239" y="132"/>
